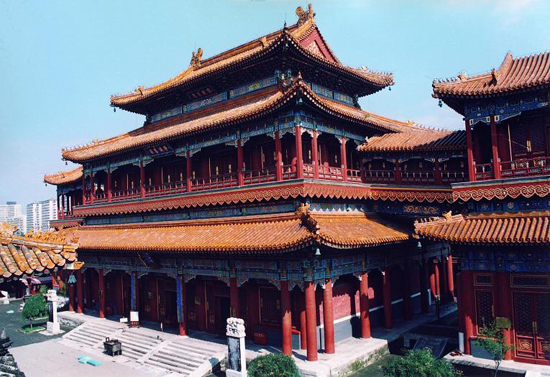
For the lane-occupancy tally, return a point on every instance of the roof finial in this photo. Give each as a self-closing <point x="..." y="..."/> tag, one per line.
<point x="196" y="59"/>
<point x="494" y="74"/>
<point x="305" y="16"/>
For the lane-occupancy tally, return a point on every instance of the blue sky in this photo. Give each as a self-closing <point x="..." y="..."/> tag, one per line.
<point x="61" y="60"/>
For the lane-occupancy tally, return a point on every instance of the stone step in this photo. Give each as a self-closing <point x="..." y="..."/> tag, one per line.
<point x="173" y="364"/>
<point x="81" y="340"/>
<point x="130" y="353"/>
<point x="193" y="348"/>
<point x="183" y="359"/>
<point x="192" y="357"/>
<point x="92" y="333"/>
<point x="139" y="346"/>
<point x="130" y="337"/>
<point x="166" y="367"/>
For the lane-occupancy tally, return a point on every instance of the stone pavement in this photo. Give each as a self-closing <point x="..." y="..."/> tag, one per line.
<point x="530" y="370"/>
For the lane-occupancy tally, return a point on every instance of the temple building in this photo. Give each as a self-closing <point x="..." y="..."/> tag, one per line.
<point x="257" y="187"/>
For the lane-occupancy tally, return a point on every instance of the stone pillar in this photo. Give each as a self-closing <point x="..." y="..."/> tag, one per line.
<point x="287" y="318"/>
<point x="328" y="315"/>
<point x="278" y="158"/>
<point x="386" y="297"/>
<point x="450" y="275"/>
<point x="468" y="308"/>
<point x="343" y="159"/>
<point x="234" y="297"/>
<point x="299" y="154"/>
<point x="53" y="324"/>
<point x="79" y="292"/>
<point x="181" y="305"/>
<point x="101" y="293"/>
<point x="315" y="155"/>
<point x="240" y="176"/>
<point x="236" y="355"/>
<point x="311" y="314"/>
<point x="364" y="305"/>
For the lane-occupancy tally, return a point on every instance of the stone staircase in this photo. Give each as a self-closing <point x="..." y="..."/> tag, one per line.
<point x="142" y="347"/>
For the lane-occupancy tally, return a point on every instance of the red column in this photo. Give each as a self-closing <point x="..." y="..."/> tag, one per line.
<point x="470" y="153"/>
<point x="387" y="298"/>
<point x="278" y="157"/>
<point x="188" y="171"/>
<point x="299" y="155"/>
<point x="79" y="292"/>
<point x="424" y="301"/>
<point x="433" y="288"/>
<point x="343" y="159"/>
<point x="503" y="307"/>
<point x="397" y="173"/>
<point x="315" y="155"/>
<point x="240" y="177"/>
<point x="71" y="298"/>
<point x="468" y="310"/>
<point x="437" y="280"/>
<point x="328" y="315"/>
<point x="494" y="148"/>
<point x="92" y="188"/>
<point x="311" y="314"/>
<point x="364" y="305"/>
<point x="109" y="196"/>
<point x="287" y="318"/>
<point x="438" y="179"/>
<point x="101" y="293"/>
<point x="303" y="321"/>
<point x="234" y="297"/>
<point x="142" y="179"/>
<point x="450" y="276"/>
<point x="407" y="306"/>
<point x="183" y="325"/>
<point x="83" y="189"/>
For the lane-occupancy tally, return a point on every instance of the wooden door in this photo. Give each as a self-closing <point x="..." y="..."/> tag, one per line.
<point x="210" y="308"/>
<point x="532" y="325"/>
<point x="528" y="139"/>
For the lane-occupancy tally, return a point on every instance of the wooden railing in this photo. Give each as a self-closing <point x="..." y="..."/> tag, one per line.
<point x="165" y="189"/>
<point x="526" y="167"/>
<point x="484" y="171"/>
<point x="354" y="175"/>
<point x="125" y="194"/>
<point x="330" y="173"/>
<point x="416" y="177"/>
<point x="214" y="182"/>
<point x="251" y="177"/>
<point x="379" y="176"/>
<point x="448" y="177"/>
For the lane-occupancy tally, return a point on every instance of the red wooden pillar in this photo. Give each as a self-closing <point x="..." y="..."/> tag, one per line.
<point x="433" y="287"/>
<point x="101" y="293"/>
<point x="311" y="314"/>
<point x="299" y="154"/>
<point x="503" y="307"/>
<point x="278" y="158"/>
<point x="343" y="159"/>
<point x="328" y="315"/>
<point x="438" y="178"/>
<point x="397" y="172"/>
<point x="142" y="179"/>
<point x="83" y="189"/>
<point x="188" y="171"/>
<point x="303" y="321"/>
<point x="61" y="205"/>
<point x="437" y="279"/>
<point x="183" y="325"/>
<point x="315" y="155"/>
<point x="386" y="288"/>
<point x="109" y="190"/>
<point x="71" y="297"/>
<point x="470" y="153"/>
<point x="287" y="318"/>
<point x="240" y="177"/>
<point x="364" y="305"/>
<point x="494" y="148"/>
<point x="79" y="293"/>
<point x="234" y="297"/>
<point x="407" y="306"/>
<point x="450" y="276"/>
<point x="468" y="309"/>
<point x="92" y="188"/>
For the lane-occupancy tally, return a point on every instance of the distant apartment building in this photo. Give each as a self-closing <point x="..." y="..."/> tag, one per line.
<point x="39" y="215"/>
<point x="11" y="213"/>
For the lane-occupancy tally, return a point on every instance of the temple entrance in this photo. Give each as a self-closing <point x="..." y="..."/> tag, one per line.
<point x="532" y="320"/>
<point x="223" y="305"/>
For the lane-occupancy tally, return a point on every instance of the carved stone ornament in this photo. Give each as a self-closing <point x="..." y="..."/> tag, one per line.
<point x="235" y="327"/>
<point x="196" y="59"/>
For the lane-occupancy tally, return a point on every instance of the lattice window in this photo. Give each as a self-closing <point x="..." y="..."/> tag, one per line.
<point x="543" y="313"/>
<point x="532" y="281"/>
<point x="483" y="279"/>
<point x="524" y="314"/>
<point x="270" y="305"/>
<point x="484" y="301"/>
<point x="519" y="139"/>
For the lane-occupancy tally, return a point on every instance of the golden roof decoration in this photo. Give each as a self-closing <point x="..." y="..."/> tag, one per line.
<point x="305" y="15"/>
<point x="196" y="59"/>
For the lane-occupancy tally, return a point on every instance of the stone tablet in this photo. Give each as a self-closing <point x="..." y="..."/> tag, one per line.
<point x="435" y="345"/>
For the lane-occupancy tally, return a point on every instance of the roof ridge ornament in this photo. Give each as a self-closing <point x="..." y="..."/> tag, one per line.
<point x="462" y="76"/>
<point x="305" y="16"/>
<point x="196" y="59"/>
<point x="7" y="230"/>
<point x="494" y="74"/>
<point x="304" y="214"/>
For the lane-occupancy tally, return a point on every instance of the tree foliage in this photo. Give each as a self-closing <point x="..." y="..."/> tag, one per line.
<point x="491" y="339"/>
<point x="273" y="365"/>
<point x="419" y="363"/>
<point x="35" y="307"/>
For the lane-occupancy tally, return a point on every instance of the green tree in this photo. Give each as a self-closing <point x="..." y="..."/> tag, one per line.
<point x="35" y="307"/>
<point x="419" y="363"/>
<point x="491" y="339"/>
<point x="273" y="365"/>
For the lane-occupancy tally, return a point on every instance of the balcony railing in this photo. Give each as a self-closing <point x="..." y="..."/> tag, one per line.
<point x="165" y="189"/>
<point x="330" y="173"/>
<point x="125" y="194"/>
<point x="417" y="177"/>
<point x="526" y="167"/>
<point x="380" y="176"/>
<point x="448" y="177"/>
<point x="484" y="171"/>
<point x="214" y="182"/>
<point x="354" y="175"/>
<point x="251" y="177"/>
